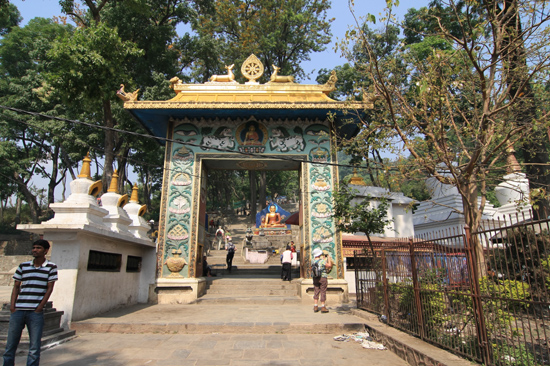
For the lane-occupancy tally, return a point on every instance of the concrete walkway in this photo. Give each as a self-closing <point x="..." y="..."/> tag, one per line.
<point x="236" y="334"/>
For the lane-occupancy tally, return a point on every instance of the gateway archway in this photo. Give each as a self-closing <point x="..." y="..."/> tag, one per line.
<point x="249" y="125"/>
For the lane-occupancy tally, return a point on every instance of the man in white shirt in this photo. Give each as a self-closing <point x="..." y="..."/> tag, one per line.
<point x="220" y="236"/>
<point x="286" y="260"/>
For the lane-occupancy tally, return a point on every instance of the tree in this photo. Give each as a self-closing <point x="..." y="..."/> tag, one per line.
<point x="9" y="17"/>
<point x="453" y="105"/>
<point x="116" y="43"/>
<point x="280" y="33"/>
<point x="33" y="146"/>
<point x="353" y="215"/>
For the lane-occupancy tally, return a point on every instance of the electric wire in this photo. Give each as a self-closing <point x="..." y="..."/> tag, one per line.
<point x="165" y="139"/>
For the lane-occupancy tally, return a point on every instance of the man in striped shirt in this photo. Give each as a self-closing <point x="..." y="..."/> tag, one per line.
<point x="33" y="285"/>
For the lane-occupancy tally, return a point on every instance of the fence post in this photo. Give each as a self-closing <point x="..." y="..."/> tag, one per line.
<point x="481" y="329"/>
<point x="416" y="287"/>
<point x="385" y="286"/>
<point x="358" y="283"/>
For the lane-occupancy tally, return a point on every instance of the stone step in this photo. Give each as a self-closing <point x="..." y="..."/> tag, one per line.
<point x="52" y="334"/>
<point x="48" y="340"/>
<point x="177" y="327"/>
<point x="220" y="299"/>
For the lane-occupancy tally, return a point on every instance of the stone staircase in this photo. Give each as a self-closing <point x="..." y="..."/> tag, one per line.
<point x="52" y="333"/>
<point x="247" y="283"/>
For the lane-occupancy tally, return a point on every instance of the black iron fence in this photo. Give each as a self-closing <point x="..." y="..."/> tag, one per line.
<point x="483" y="295"/>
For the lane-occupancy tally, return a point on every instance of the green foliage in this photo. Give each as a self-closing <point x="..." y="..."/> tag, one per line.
<point x="503" y="299"/>
<point x="29" y="143"/>
<point x="354" y="215"/>
<point x="9" y="17"/>
<point x="513" y="354"/>
<point x="522" y="257"/>
<point x="546" y="267"/>
<point x="432" y="297"/>
<point x="90" y="63"/>
<point x="279" y="33"/>
<point x="452" y="95"/>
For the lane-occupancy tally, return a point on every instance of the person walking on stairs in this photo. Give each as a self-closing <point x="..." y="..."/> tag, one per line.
<point x="320" y="282"/>
<point x="230" y="254"/>
<point x="286" y="260"/>
<point x="33" y="285"/>
<point x="220" y="234"/>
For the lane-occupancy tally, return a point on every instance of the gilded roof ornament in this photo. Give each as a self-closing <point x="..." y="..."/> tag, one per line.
<point x="127" y="97"/>
<point x="230" y="77"/>
<point x="331" y="82"/>
<point x="252" y="69"/>
<point x="275" y="78"/>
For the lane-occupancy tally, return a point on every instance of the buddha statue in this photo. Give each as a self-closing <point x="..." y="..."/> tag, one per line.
<point x="272" y="219"/>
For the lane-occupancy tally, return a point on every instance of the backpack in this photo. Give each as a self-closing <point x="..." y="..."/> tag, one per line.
<point x="316" y="270"/>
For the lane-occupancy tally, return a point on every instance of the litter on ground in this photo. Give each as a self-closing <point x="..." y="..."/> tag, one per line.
<point x="363" y="337"/>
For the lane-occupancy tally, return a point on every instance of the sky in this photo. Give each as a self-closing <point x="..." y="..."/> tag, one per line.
<point x="327" y="59"/>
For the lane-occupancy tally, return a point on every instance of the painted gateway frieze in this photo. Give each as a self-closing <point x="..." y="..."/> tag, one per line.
<point x="282" y="141"/>
<point x="248" y="136"/>
<point x="222" y="138"/>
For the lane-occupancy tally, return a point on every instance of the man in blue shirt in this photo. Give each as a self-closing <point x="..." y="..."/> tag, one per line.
<point x="32" y="288"/>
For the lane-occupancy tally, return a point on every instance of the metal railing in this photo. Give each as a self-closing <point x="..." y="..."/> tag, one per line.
<point x="483" y="295"/>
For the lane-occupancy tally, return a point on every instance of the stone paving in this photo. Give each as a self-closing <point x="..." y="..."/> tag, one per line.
<point x="111" y="349"/>
<point x="235" y="334"/>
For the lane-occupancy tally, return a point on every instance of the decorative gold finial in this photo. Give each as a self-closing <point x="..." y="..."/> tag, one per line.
<point x="512" y="165"/>
<point x="85" y="171"/>
<point x="331" y="82"/>
<point x="114" y="183"/>
<point x="134" y="197"/>
<point x="357" y="179"/>
<point x="252" y="69"/>
<point x="127" y="97"/>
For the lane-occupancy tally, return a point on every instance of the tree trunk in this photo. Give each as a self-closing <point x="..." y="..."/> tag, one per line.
<point x="53" y="178"/>
<point x="263" y="188"/>
<point x="110" y="137"/>
<point x="17" y="219"/>
<point x="30" y="198"/>
<point x="146" y="191"/>
<point x="2" y="205"/>
<point x="472" y="218"/>
<point x="123" y="176"/>
<point x="253" y="188"/>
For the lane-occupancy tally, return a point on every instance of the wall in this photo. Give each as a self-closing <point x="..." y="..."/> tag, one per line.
<point x="82" y="293"/>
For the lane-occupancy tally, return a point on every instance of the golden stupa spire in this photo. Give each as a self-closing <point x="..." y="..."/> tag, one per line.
<point x="114" y="183"/>
<point x="134" y="197"/>
<point x="85" y="171"/>
<point x="512" y="165"/>
<point x="357" y="179"/>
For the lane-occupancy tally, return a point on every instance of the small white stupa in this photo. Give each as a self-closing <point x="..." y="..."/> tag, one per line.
<point x="139" y="226"/>
<point x="81" y="207"/>
<point x="513" y="193"/>
<point x="117" y="219"/>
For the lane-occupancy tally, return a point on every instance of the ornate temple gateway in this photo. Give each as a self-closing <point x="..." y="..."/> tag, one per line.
<point x="223" y="124"/>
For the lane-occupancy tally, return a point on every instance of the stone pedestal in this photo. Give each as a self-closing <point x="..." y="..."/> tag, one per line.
<point x="277" y="241"/>
<point x="337" y="291"/>
<point x="180" y="290"/>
